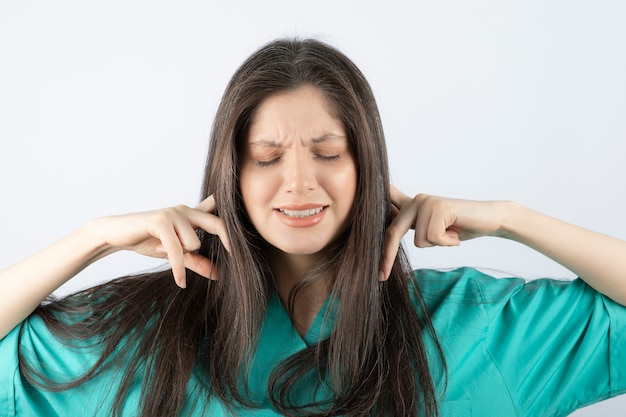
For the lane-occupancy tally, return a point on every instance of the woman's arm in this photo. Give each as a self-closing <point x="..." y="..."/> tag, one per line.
<point x="598" y="259"/>
<point x="167" y="233"/>
<point x="25" y="285"/>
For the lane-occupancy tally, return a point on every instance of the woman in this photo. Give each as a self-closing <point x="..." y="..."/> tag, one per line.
<point x="310" y="307"/>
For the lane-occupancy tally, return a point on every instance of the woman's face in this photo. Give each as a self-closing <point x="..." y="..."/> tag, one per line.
<point x="298" y="175"/>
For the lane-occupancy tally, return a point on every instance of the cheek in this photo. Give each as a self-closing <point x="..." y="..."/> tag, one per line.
<point x="343" y="184"/>
<point x="255" y="191"/>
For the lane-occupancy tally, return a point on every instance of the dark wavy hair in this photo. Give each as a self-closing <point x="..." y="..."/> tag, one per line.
<point x="375" y="359"/>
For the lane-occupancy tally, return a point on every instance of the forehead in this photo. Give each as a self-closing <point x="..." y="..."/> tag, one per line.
<point x="304" y="113"/>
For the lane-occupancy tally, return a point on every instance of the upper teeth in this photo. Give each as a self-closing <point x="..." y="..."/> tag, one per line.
<point x="302" y="213"/>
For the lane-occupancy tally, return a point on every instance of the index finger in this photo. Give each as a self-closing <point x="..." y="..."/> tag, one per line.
<point x="207" y="205"/>
<point x="395" y="232"/>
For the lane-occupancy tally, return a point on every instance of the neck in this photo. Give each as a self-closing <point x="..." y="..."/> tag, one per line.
<point x="289" y="270"/>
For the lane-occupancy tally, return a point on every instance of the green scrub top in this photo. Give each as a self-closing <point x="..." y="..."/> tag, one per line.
<point x="513" y="348"/>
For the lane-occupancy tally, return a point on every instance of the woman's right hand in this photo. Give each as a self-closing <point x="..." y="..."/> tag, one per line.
<point x="166" y="233"/>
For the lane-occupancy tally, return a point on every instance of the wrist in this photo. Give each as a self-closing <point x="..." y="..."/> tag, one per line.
<point x="93" y="237"/>
<point x="511" y="214"/>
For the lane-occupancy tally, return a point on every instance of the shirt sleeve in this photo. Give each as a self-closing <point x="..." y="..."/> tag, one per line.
<point x="67" y="360"/>
<point x="56" y="360"/>
<point x="8" y="369"/>
<point x="559" y="345"/>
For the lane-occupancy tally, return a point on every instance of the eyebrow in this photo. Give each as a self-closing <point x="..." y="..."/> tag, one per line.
<point x="326" y="137"/>
<point x="273" y="144"/>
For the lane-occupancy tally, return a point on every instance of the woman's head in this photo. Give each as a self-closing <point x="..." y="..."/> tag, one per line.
<point x="285" y="66"/>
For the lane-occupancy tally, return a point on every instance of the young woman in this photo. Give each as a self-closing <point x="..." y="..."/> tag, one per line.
<point x="294" y="296"/>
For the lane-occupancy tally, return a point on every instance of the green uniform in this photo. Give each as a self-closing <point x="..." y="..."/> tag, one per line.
<point x="542" y="348"/>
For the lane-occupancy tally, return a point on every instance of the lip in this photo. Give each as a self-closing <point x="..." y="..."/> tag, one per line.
<point x="307" y="221"/>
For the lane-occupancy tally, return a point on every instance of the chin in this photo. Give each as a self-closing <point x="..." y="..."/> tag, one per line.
<point x="298" y="248"/>
<point x="301" y="251"/>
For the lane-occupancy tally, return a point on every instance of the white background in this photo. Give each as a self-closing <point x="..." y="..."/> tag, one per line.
<point x="106" y="108"/>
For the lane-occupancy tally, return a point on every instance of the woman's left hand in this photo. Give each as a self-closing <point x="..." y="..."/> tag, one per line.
<point x="596" y="258"/>
<point x="437" y="221"/>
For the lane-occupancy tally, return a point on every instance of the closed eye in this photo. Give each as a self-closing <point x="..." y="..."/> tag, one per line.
<point x="329" y="157"/>
<point x="268" y="163"/>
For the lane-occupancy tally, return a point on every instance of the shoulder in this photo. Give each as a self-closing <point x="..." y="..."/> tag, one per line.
<point x="475" y="299"/>
<point x="471" y="284"/>
<point x="32" y="345"/>
<point x="462" y="284"/>
<point x="454" y="298"/>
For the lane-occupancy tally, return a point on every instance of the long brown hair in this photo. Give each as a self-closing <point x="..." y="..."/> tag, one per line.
<point x="375" y="359"/>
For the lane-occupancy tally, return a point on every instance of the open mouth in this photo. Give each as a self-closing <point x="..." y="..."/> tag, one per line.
<point x="301" y="214"/>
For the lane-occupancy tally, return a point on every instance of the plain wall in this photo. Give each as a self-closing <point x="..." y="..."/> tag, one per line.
<point x="106" y="108"/>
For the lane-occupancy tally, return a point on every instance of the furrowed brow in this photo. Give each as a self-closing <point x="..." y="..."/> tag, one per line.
<point x="330" y="136"/>
<point x="266" y="143"/>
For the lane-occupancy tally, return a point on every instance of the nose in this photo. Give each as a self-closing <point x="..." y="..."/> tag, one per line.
<point x="300" y="175"/>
